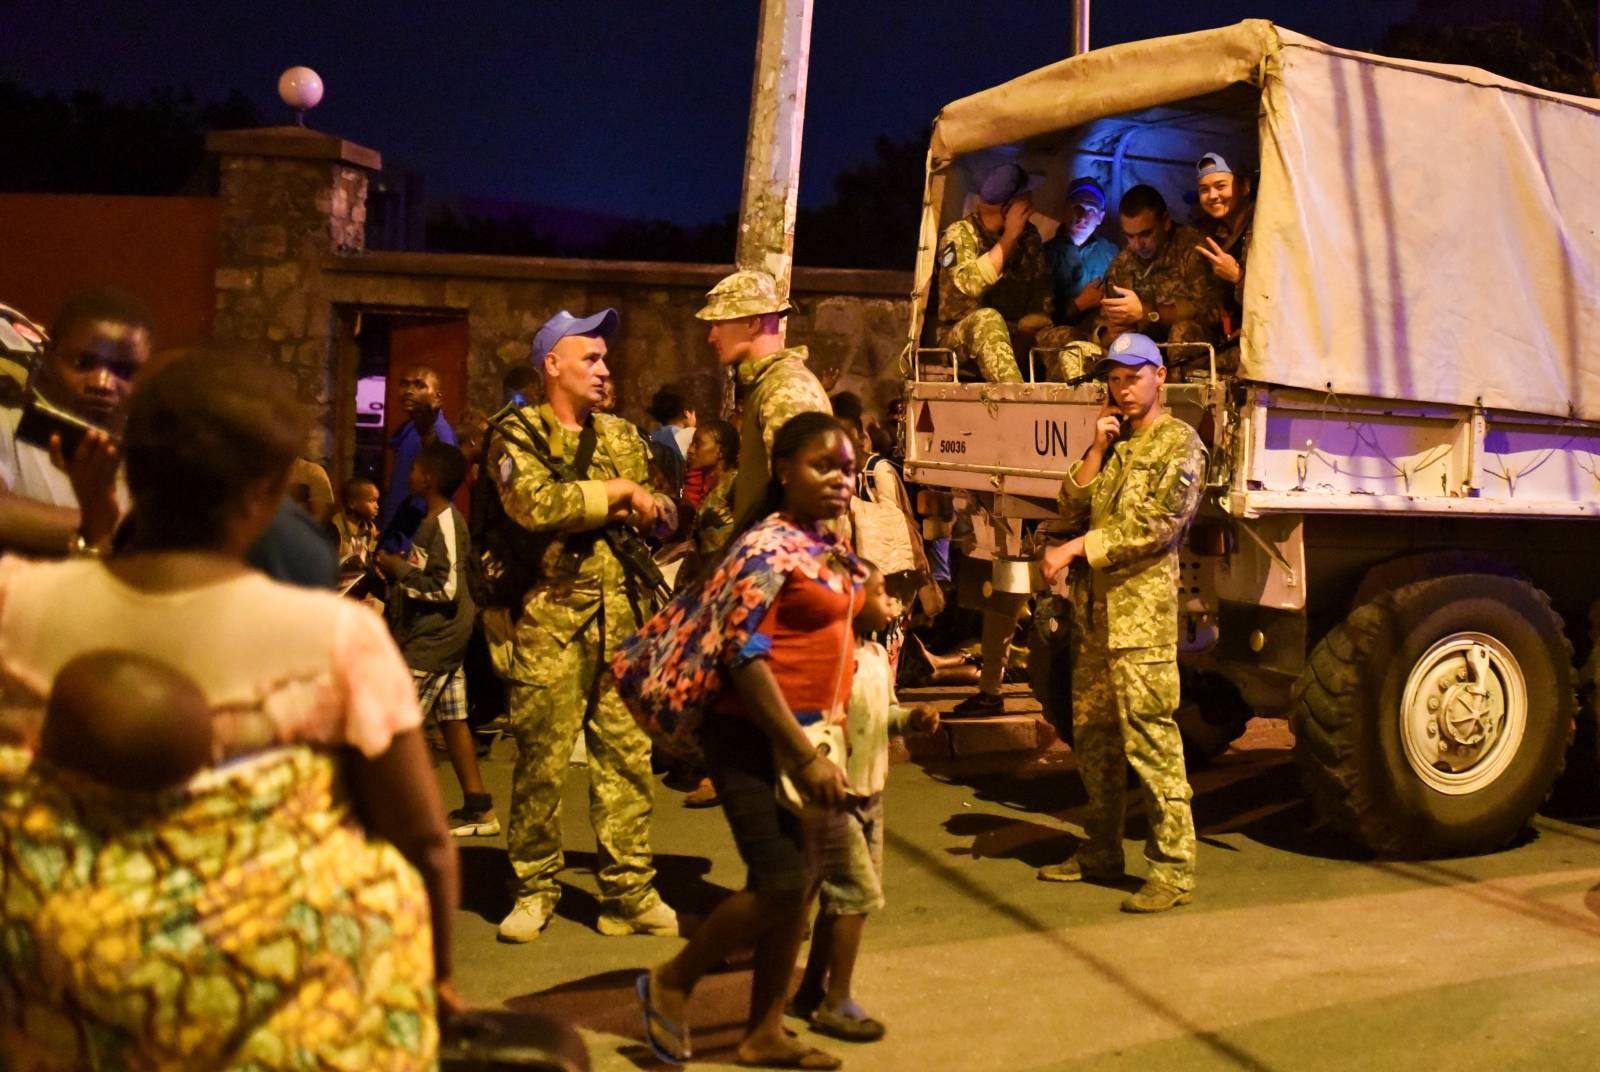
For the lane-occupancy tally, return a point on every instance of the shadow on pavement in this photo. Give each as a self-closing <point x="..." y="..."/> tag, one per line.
<point x="486" y="879"/>
<point x="1254" y="793"/>
<point x="607" y="1003"/>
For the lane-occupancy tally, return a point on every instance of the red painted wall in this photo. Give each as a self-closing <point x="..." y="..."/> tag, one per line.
<point x="162" y="250"/>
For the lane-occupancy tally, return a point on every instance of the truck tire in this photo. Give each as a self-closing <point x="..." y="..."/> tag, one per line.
<point x="1435" y="719"/>
<point x="1050" y="662"/>
<point x="1211" y="715"/>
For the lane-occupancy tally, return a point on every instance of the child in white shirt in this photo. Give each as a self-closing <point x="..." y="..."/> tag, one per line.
<point x="850" y="842"/>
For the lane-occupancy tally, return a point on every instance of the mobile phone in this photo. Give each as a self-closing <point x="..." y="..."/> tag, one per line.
<point x="42" y="419"/>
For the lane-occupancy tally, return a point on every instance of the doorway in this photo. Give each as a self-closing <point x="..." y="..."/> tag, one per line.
<point x="387" y="344"/>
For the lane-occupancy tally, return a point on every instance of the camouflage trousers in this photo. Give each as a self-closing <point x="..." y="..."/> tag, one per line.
<point x="1123" y="701"/>
<point x="1067" y="352"/>
<point x="579" y="696"/>
<point x="983" y="337"/>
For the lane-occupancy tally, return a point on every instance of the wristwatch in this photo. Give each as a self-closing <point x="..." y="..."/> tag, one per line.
<point x="78" y="547"/>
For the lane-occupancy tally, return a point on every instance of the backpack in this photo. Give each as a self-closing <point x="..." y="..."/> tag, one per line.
<point x="881" y="532"/>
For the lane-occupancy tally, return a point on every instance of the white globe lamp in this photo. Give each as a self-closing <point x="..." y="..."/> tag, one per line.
<point x="301" y="89"/>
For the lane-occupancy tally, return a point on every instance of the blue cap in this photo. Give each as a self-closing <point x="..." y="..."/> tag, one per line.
<point x="1212" y="164"/>
<point x="1086" y="189"/>
<point x="1003" y="183"/>
<point x="1132" y="350"/>
<point x="558" y="327"/>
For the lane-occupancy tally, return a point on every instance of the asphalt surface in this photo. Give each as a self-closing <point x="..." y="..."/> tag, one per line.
<point x="1297" y="954"/>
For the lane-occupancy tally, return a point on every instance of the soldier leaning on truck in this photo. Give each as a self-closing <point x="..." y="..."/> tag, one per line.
<point x="1131" y="496"/>
<point x="993" y="279"/>
<point x="1160" y="285"/>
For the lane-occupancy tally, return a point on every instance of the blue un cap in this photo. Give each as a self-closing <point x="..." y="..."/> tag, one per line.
<point x="1212" y="164"/>
<point x="1131" y="350"/>
<point x="1001" y="184"/>
<point x="558" y="327"/>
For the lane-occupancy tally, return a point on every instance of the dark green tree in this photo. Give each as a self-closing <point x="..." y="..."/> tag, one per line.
<point x="1554" y="49"/>
<point x="91" y="145"/>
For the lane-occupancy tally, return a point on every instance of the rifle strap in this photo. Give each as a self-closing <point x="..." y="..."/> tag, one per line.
<point x="578" y="469"/>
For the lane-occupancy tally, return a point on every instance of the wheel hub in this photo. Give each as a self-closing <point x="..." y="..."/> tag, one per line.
<point x="1464" y="712"/>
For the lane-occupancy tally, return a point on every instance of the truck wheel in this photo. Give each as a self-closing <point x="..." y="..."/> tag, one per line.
<point x="1050" y="662"/>
<point x="1211" y="716"/>
<point x="1434" y="720"/>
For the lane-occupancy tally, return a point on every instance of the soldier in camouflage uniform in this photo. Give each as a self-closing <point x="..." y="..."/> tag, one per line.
<point x="746" y="315"/>
<point x="1160" y="285"/>
<point x="583" y="604"/>
<point x="994" y="283"/>
<point x="1131" y="499"/>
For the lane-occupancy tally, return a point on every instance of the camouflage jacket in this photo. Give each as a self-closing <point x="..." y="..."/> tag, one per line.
<point x="579" y="572"/>
<point x="968" y="281"/>
<point x="1133" y="515"/>
<point x="1177" y="275"/>
<point x="772" y="389"/>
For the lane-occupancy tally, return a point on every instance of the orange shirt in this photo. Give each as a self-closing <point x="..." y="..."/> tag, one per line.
<point x="808" y="640"/>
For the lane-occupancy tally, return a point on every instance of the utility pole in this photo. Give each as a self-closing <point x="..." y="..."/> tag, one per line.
<point x="1080" y="27"/>
<point x="772" y="150"/>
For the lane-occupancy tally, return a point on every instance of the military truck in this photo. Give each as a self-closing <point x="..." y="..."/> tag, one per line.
<point x="1398" y="547"/>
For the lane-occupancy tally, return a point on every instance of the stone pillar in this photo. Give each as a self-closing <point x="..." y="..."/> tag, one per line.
<point x="290" y="197"/>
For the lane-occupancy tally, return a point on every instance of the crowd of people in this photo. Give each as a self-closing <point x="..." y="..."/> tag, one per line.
<point x="1003" y="290"/>
<point x="222" y="841"/>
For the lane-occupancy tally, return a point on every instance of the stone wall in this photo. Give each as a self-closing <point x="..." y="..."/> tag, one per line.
<point x="853" y="322"/>
<point x="293" y="276"/>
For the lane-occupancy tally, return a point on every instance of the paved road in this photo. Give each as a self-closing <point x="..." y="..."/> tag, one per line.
<point x="1296" y="954"/>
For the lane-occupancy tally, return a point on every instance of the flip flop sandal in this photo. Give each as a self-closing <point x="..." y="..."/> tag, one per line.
<point x="815" y="1060"/>
<point x="851" y="1025"/>
<point x="652" y="1019"/>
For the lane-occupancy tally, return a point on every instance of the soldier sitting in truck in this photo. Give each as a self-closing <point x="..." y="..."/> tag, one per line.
<point x="993" y="280"/>
<point x="1230" y="211"/>
<point x="1159" y="285"/>
<point x="1079" y="256"/>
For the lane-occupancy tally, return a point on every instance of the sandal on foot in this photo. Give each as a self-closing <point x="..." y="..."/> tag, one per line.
<point x="654" y="1018"/>
<point x="815" y="1060"/>
<point x="849" y="1022"/>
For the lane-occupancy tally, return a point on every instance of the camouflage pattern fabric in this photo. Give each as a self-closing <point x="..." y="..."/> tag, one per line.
<point x="579" y="695"/>
<point x="571" y="624"/>
<point x="748" y="292"/>
<point x="979" y="308"/>
<point x="1133" y="515"/>
<point x="244" y="921"/>
<point x="772" y="390"/>
<point x="1066" y="353"/>
<point x="1123" y="700"/>
<point x="1179" y="276"/>
<point x="983" y="337"/>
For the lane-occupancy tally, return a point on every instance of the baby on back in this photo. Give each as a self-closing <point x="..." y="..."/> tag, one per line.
<point x="127" y="722"/>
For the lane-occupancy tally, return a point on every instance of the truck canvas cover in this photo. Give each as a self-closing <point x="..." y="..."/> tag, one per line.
<point x="1422" y="231"/>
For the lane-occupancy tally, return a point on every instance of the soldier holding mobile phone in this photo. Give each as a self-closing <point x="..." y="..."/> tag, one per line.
<point x="1131" y="499"/>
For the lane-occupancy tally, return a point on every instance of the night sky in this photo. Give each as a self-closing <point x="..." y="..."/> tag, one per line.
<point x="625" y="107"/>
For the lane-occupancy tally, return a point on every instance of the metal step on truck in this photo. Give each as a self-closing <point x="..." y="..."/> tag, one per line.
<point x="1399" y="548"/>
